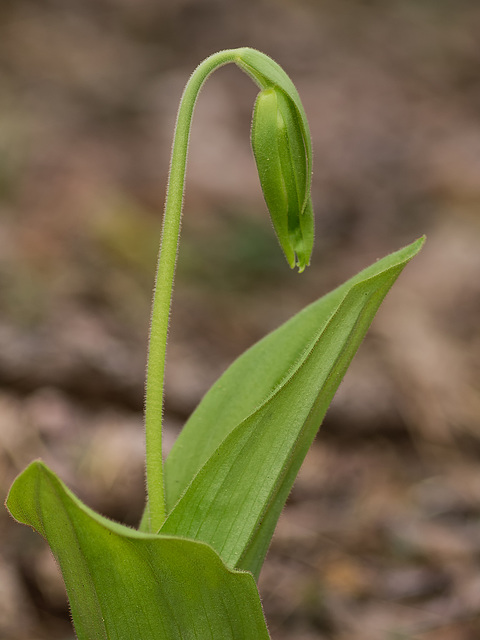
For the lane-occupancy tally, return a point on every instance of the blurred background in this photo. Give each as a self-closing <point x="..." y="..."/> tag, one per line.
<point x="381" y="535"/>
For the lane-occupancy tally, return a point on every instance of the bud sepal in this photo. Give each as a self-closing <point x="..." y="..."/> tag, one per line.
<point x="282" y="162"/>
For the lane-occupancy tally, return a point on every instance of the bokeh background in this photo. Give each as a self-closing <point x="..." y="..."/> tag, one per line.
<point x="381" y="535"/>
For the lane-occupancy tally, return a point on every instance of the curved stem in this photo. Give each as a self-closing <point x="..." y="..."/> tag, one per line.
<point x="162" y="297"/>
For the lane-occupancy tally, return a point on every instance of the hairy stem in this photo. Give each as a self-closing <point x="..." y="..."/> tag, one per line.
<point x="155" y="513"/>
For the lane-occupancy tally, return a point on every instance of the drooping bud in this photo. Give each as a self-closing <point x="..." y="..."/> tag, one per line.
<point x="282" y="162"/>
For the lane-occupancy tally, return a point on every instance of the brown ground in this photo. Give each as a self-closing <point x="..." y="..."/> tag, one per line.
<point x="381" y="536"/>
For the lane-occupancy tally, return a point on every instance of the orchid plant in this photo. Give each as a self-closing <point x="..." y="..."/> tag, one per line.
<point x="190" y="570"/>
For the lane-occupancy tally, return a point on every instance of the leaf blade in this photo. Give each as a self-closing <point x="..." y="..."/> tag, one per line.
<point x="125" y="585"/>
<point x="246" y="384"/>
<point x="235" y="498"/>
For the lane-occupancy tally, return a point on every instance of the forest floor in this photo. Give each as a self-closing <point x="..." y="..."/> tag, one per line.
<point x="380" y="538"/>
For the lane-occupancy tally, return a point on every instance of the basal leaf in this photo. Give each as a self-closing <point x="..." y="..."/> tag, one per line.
<point x="126" y="585"/>
<point x="253" y="377"/>
<point x="241" y="478"/>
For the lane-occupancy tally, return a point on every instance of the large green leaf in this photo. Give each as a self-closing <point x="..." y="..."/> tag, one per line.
<point x="233" y="466"/>
<point x="253" y="377"/>
<point x="127" y="585"/>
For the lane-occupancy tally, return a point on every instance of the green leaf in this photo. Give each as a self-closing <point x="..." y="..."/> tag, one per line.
<point x="232" y="467"/>
<point x="127" y="585"/>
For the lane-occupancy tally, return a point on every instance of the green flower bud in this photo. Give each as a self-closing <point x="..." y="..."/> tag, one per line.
<point x="282" y="162"/>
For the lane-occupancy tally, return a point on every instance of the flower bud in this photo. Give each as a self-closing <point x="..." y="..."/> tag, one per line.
<point x="282" y="162"/>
